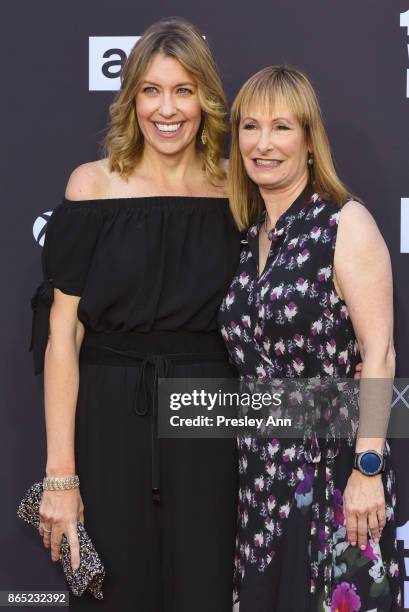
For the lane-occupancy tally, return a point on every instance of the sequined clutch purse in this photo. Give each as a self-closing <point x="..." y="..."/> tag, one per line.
<point x="90" y="574"/>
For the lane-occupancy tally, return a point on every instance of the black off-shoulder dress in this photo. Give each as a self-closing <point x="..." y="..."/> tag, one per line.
<point x="151" y="273"/>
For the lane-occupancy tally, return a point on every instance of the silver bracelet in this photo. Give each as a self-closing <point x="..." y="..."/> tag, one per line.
<point x="60" y="483"/>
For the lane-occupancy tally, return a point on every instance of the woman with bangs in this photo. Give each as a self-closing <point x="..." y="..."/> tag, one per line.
<point x="136" y="261"/>
<point x="312" y="295"/>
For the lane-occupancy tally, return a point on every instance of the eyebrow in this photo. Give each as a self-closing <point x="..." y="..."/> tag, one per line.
<point x="272" y="120"/>
<point x="177" y="85"/>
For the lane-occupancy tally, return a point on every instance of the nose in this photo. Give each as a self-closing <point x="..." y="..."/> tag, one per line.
<point x="264" y="144"/>
<point x="167" y="107"/>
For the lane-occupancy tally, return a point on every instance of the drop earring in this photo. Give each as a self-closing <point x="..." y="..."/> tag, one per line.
<point x="203" y="136"/>
<point x="310" y="162"/>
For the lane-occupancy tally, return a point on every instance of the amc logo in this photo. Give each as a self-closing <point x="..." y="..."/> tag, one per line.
<point x="107" y="55"/>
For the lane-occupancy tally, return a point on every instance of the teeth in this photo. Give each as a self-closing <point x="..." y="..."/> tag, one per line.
<point x="267" y="162"/>
<point x="163" y="127"/>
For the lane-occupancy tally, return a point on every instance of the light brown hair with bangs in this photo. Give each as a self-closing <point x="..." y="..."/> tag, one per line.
<point x="280" y="87"/>
<point x="177" y="38"/>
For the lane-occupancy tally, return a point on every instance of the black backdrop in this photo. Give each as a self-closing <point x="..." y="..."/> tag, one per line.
<point x="356" y="54"/>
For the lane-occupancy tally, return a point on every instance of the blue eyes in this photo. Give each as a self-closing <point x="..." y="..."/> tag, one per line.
<point x="184" y="91"/>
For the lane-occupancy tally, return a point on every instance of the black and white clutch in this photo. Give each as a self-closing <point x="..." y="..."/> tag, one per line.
<point x="90" y="574"/>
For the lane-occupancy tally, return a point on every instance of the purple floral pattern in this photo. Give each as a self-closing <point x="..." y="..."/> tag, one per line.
<point x="290" y="322"/>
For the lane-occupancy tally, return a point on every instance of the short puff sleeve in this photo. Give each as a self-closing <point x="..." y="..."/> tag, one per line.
<point x="70" y="241"/>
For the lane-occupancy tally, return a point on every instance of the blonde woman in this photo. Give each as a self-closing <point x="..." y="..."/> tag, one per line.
<point x="312" y="292"/>
<point x="136" y="261"/>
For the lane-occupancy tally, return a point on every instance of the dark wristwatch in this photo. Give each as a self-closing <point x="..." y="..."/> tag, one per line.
<point x="369" y="462"/>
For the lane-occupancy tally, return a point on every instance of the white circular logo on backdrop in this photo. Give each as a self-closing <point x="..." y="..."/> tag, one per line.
<point x="40" y="226"/>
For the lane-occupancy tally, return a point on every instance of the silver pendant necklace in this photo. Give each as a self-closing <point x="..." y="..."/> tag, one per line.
<point x="269" y="232"/>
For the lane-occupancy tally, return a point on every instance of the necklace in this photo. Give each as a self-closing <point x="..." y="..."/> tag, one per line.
<point x="269" y="232"/>
<point x="273" y="233"/>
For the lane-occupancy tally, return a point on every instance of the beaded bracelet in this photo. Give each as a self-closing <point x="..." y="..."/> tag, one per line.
<point x="60" y="483"/>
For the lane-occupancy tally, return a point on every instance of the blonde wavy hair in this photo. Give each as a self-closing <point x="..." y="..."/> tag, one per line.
<point x="177" y="38"/>
<point x="284" y="87"/>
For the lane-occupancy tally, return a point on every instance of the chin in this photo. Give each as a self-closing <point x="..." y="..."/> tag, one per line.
<point x="167" y="147"/>
<point x="266" y="183"/>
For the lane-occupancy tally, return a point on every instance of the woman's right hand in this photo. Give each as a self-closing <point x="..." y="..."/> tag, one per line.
<point x="59" y="513"/>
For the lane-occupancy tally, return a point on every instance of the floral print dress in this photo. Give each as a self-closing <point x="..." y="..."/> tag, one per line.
<point x="292" y="552"/>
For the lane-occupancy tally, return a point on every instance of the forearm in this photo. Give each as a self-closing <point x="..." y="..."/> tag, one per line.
<point x="376" y="386"/>
<point x="61" y="381"/>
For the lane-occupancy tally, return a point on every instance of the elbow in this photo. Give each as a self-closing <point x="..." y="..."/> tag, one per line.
<point x="62" y="347"/>
<point x="79" y="336"/>
<point x="379" y="358"/>
<point x="390" y="359"/>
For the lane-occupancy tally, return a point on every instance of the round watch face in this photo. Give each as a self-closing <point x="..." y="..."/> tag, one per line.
<point x="370" y="462"/>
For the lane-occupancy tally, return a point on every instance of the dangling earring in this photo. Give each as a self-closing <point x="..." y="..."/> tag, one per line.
<point x="203" y="137"/>
<point x="310" y="162"/>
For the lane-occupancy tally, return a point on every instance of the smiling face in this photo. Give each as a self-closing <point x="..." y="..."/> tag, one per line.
<point x="167" y="106"/>
<point x="273" y="147"/>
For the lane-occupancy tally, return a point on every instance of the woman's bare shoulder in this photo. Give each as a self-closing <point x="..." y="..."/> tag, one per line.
<point x="356" y="221"/>
<point x="358" y="234"/>
<point x="88" y="181"/>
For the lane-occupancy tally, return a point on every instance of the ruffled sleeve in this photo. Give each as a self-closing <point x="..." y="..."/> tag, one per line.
<point x="70" y="241"/>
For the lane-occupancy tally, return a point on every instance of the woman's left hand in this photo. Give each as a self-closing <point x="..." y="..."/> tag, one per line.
<point x="364" y="508"/>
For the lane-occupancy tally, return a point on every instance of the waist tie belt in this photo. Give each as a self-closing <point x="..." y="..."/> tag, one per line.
<point x="162" y="365"/>
<point x="321" y="527"/>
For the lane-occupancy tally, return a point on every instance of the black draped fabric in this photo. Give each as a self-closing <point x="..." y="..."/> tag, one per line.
<point x="151" y="273"/>
<point x="139" y="264"/>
